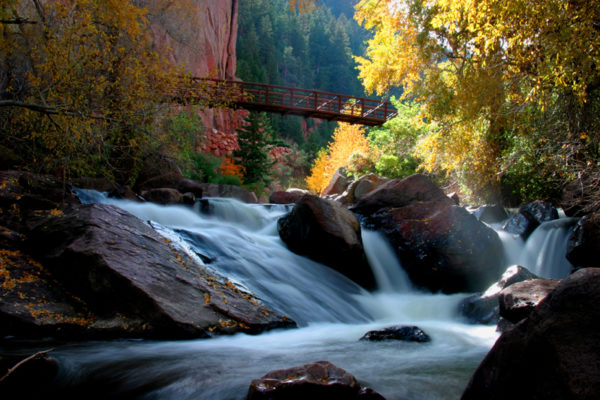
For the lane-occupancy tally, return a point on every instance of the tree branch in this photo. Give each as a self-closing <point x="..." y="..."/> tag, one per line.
<point x="31" y="106"/>
<point x="26" y="360"/>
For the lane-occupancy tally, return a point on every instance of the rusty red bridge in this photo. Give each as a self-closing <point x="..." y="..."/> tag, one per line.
<point x="285" y="100"/>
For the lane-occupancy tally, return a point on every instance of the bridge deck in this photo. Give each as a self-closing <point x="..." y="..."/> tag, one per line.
<point x="288" y="100"/>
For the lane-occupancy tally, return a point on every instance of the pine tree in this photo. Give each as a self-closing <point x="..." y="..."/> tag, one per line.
<point x="253" y="155"/>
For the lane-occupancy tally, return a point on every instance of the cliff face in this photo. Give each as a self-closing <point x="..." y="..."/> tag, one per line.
<point x="201" y="36"/>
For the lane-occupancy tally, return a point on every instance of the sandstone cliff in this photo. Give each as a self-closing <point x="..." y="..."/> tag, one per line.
<point x="201" y="36"/>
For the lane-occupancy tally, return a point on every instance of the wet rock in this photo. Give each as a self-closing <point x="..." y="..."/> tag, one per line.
<point x="191" y="186"/>
<point x="485" y="308"/>
<point x="400" y="193"/>
<point x="517" y="301"/>
<point x="328" y="233"/>
<point x="229" y="191"/>
<point x="360" y="187"/>
<point x="320" y="380"/>
<point x="284" y="197"/>
<point x="583" y="246"/>
<point x="126" y="193"/>
<point x="522" y="224"/>
<point x="100" y="272"/>
<point x="405" y="333"/>
<point x="338" y="183"/>
<point x="442" y="246"/>
<point x="170" y="180"/>
<point x="163" y="196"/>
<point x="529" y="217"/>
<point x="553" y="354"/>
<point x="491" y="213"/>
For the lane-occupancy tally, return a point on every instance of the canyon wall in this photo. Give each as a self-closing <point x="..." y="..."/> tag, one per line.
<point x="201" y="36"/>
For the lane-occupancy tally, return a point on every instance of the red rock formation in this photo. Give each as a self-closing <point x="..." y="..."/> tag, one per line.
<point x="201" y="36"/>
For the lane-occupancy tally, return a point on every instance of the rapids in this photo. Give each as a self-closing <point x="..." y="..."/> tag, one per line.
<point x="240" y="241"/>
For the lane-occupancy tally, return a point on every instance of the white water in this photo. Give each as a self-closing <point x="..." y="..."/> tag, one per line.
<point x="544" y="252"/>
<point x="333" y="312"/>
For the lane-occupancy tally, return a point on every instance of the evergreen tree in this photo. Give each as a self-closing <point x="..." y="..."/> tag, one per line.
<point x="254" y="138"/>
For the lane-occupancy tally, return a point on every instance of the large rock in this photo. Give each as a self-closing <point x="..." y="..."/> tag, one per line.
<point x="485" y="308"/>
<point x="328" y="233"/>
<point x="158" y="171"/>
<point x="583" y="246"/>
<point x="202" y="40"/>
<point x="517" y="301"/>
<point x="400" y="193"/>
<point x="100" y="272"/>
<point x="442" y="246"/>
<point x="230" y="191"/>
<point x="284" y="197"/>
<point x="163" y="196"/>
<point x="553" y="354"/>
<point x="529" y="217"/>
<point x="404" y="333"/>
<point x="490" y="213"/>
<point x="361" y="187"/>
<point x="338" y="183"/>
<point x="320" y="380"/>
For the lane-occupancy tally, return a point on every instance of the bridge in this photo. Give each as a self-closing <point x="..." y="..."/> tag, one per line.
<point x="284" y="100"/>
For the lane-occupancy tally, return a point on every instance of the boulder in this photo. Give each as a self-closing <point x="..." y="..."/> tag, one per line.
<point x="23" y="195"/>
<point x="191" y="186"/>
<point x="325" y="231"/>
<point x="517" y="301"/>
<point x="552" y="354"/>
<point x="442" y="246"/>
<point x="229" y="191"/>
<point x="405" y="333"/>
<point x="169" y="180"/>
<point x="99" y="184"/>
<point x="320" y="380"/>
<point x="126" y="193"/>
<point x="360" y="187"/>
<point x="284" y="197"/>
<point x="484" y="308"/>
<point x="401" y="193"/>
<point x="158" y="170"/>
<point x="163" y="196"/>
<point x="98" y="271"/>
<point x="338" y="183"/>
<point x="583" y="246"/>
<point x="529" y="217"/>
<point x="491" y="214"/>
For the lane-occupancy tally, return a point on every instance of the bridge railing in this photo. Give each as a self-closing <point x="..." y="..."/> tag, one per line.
<point x="289" y="100"/>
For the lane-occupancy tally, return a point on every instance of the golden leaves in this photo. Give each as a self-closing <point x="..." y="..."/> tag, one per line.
<point x="348" y="141"/>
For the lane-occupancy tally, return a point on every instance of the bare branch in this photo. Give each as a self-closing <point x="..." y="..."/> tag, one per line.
<point x="26" y="360"/>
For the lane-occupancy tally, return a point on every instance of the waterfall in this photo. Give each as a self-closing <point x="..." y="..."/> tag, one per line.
<point x="544" y="252"/>
<point x="240" y="241"/>
<point x="389" y="273"/>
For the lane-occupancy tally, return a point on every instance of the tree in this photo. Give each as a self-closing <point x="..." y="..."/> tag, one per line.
<point x="82" y="87"/>
<point x="484" y="73"/>
<point x="253" y="156"/>
<point x="348" y="145"/>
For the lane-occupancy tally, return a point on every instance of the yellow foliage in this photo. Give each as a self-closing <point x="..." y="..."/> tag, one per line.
<point x="474" y="65"/>
<point x="348" y="141"/>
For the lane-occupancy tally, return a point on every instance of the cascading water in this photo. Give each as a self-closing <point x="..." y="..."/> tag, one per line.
<point x="544" y="252"/>
<point x="241" y="242"/>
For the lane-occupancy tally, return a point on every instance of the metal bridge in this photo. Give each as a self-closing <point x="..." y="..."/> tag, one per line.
<point x="284" y="100"/>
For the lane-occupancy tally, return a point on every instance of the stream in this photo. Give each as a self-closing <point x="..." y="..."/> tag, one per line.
<point x="241" y="242"/>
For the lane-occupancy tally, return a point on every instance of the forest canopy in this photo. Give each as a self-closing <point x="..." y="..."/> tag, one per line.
<point x="509" y="89"/>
